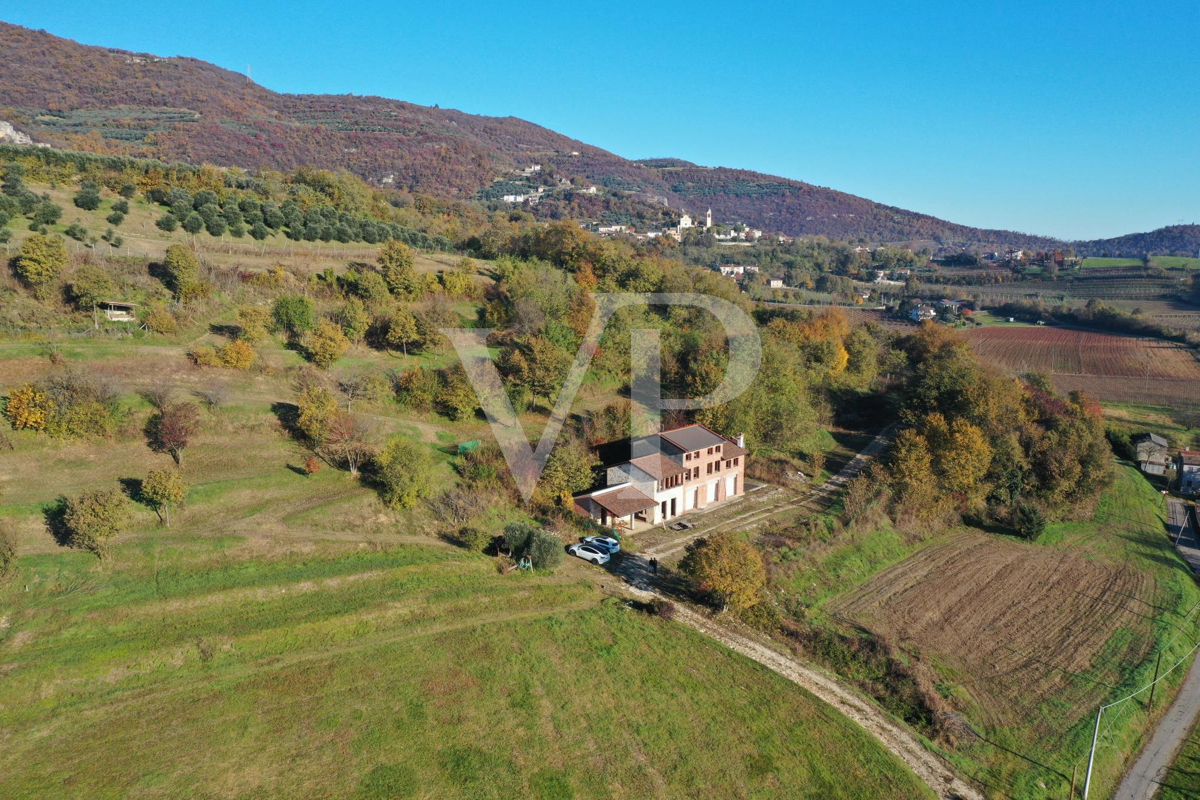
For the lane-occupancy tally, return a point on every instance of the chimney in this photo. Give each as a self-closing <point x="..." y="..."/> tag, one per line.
<point x="741" y="440"/>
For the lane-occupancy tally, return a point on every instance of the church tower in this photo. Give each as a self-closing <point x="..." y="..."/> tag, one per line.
<point x="708" y="220"/>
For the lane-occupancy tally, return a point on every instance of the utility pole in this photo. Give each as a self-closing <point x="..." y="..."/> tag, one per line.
<point x="1157" y="662"/>
<point x="1087" y="780"/>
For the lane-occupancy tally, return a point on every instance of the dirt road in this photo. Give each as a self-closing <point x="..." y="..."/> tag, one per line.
<point x="934" y="772"/>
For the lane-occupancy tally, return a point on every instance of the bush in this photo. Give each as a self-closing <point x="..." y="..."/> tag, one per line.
<point x="312" y="466"/>
<point x="88" y="197"/>
<point x="28" y="407"/>
<point x="253" y="322"/>
<point x="665" y="609"/>
<point x="293" y="315"/>
<point x="115" y="218"/>
<point x="545" y="550"/>
<point x="402" y="470"/>
<point x="238" y="354"/>
<point x="93" y="518"/>
<point x="1028" y="521"/>
<point x="182" y="269"/>
<point x="8" y="553"/>
<point x="516" y="538"/>
<point x="167" y="222"/>
<point x="159" y="320"/>
<point x="474" y="539"/>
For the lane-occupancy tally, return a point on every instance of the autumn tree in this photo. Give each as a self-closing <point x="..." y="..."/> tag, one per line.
<point x="568" y="471"/>
<point x="40" y="260"/>
<point x="396" y="263"/>
<point x="728" y="568"/>
<point x="347" y="441"/>
<point x="163" y="489"/>
<point x="354" y="319"/>
<point x="403" y="469"/>
<point x="182" y="270"/>
<point x="456" y="397"/>
<point x="93" y="518"/>
<point x="402" y="330"/>
<point x="172" y="429"/>
<point x="317" y="408"/>
<point x="325" y="343"/>
<point x="90" y="285"/>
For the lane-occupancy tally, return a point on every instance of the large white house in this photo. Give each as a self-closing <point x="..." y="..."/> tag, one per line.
<point x="654" y="479"/>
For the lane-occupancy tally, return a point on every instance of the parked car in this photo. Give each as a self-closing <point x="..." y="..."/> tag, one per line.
<point x="605" y="543"/>
<point x="589" y="553"/>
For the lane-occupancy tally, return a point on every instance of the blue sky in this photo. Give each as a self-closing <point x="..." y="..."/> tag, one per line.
<point x="1077" y="120"/>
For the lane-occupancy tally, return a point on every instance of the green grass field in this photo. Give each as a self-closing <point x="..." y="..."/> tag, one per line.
<point x="187" y="665"/>
<point x="1166" y="262"/>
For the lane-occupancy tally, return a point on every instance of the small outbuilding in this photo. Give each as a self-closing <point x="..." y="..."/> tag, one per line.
<point x="118" y="311"/>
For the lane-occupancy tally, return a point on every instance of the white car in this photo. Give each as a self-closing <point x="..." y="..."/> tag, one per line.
<point x="589" y="553"/>
<point x="605" y="543"/>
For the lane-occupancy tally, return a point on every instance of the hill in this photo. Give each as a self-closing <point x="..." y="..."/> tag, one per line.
<point x="183" y="109"/>
<point x="1181" y="240"/>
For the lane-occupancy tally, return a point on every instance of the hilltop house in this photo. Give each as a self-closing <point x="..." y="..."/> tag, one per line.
<point x="1151" y="452"/>
<point x="652" y="479"/>
<point x="1187" y="471"/>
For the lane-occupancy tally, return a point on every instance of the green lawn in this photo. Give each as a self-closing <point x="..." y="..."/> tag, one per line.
<point x="1166" y="262"/>
<point x="198" y="666"/>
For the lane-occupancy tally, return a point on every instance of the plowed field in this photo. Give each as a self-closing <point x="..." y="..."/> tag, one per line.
<point x="1107" y="366"/>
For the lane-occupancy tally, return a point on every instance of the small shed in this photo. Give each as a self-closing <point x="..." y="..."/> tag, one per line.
<point x="1151" y="452"/>
<point x="118" y="311"/>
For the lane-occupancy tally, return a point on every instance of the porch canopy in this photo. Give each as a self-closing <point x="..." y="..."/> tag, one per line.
<point x="623" y="501"/>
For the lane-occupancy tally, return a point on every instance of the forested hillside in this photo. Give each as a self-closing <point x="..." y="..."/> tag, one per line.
<point x="182" y="109"/>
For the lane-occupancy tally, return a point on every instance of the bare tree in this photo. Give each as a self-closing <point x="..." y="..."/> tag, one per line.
<point x="348" y="441"/>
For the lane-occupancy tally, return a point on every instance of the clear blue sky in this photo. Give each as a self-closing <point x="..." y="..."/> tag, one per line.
<point x="1078" y="120"/>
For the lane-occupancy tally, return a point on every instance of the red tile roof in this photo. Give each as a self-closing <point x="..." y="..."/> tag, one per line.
<point x="623" y="501"/>
<point x="657" y="466"/>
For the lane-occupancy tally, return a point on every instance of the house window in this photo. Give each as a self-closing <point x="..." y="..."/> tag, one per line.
<point x="710" y="451"/>
<point x="710" y="468"/>
<point x="735" y="462"/>
<point x="718" y="463"/>
<point x="687" y="457"/>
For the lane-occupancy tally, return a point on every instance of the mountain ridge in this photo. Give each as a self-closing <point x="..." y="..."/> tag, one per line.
<point x="180" y="108"/>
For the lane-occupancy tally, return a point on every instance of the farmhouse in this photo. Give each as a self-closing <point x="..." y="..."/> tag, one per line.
<point x="656" y="478"/>
<point x="1151" y="453"/>
<point x="1187" y="471"/>
<point x="921" y="313"/>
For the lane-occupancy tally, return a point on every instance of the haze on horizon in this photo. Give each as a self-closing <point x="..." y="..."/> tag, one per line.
<point x="1057" y="119"/>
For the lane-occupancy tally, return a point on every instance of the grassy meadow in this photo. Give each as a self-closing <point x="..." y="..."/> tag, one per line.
<point x="229" y="667"/>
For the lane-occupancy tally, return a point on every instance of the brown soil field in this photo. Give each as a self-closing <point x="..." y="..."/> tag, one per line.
<point x="1067" y="351"/>
<point x="977" y="603"/>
